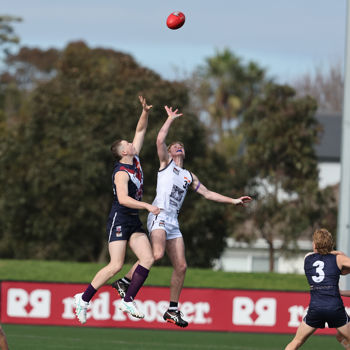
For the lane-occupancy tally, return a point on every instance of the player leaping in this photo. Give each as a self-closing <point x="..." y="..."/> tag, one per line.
<point x="172" y="184"/>
<point x="124" y="225"/>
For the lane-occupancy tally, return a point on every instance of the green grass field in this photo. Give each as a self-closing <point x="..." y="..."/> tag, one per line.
<point x="77" y="338"/>
<point x="61" y="271"/>
<point x="24" y="337"/>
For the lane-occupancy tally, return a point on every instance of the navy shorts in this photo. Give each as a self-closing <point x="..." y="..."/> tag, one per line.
<point x="121" y="227"/>
<point x="335" y="318"/>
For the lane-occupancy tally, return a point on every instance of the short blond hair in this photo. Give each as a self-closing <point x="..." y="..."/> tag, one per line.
<point x="323" y="241"/>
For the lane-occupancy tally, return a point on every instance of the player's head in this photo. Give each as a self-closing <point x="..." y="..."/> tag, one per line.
<point x="122" y="148"/>
<point x="323" y="241"/>
<point x="176" y="148"/>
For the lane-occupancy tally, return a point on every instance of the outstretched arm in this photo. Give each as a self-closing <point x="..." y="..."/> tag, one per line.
<point x="121" y="179"/>
<point x="162" y="134"/>
<point x="217" y="197"/>
<point x="141" y="126"/>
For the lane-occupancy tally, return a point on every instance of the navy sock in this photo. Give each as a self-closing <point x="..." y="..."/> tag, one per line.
<point x="138" y="278"/>
<point x="173" y="306"/>
<point x="89" y="293"/>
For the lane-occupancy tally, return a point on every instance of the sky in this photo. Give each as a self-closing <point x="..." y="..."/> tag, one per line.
<point x="288" y="38"/>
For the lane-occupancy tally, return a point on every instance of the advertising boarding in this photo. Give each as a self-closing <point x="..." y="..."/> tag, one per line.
<point x="204" y="308"/>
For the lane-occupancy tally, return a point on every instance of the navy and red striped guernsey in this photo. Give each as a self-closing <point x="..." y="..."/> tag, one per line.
<point x="135" y="186"/>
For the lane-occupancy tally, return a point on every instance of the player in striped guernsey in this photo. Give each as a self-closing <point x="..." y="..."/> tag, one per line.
<point x="124" y="225"/>
<point x="173" y="181"/>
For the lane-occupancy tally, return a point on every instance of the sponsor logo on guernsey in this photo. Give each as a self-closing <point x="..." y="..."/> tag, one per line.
<point x="177" y="193"/>
<point x="173" y="203"/>
<point x="176" y="171"/>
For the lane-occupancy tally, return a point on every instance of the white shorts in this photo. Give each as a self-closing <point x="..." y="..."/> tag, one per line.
<point x="165" y="222"/>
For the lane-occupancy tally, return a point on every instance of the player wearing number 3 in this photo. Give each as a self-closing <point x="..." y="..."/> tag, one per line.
<point x="172" y="184"/>
<point x="322" y="269"/>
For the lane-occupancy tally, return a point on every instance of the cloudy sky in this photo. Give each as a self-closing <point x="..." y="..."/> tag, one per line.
<point x="286" y="37"/>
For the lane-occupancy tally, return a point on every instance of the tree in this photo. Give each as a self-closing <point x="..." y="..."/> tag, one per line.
<point x="222" y="89"/>
<point x="7" y="38"/>
<point x="280" y="132"/>
<point x="30" y="66"/>
<point x="326" y="86"/>
<point x="56" y="163"/>
<point x="7" y="34"/>
<point x="266" y="133"/>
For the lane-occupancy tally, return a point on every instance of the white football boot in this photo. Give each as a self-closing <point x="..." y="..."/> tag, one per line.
<point x="81" y="307"/>
<point x="131" y="308"/>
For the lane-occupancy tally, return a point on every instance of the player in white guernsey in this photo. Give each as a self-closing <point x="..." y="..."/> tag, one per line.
<point x="172" y="184"/>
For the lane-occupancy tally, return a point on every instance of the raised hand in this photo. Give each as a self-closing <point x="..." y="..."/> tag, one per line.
<point x="172" y="114"/>
<point x="144" y="104"/>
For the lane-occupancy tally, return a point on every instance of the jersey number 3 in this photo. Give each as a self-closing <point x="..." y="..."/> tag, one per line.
<point x="319" y="270"/>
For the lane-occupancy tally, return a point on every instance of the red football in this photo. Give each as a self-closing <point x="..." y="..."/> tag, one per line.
<point x="175" y="20"/>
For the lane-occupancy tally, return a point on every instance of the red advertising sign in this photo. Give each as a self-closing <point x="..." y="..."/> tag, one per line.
<point x="205" y="309"/>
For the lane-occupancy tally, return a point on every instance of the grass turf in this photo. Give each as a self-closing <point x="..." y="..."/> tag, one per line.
<point x="23" y="337"/>
<point x="59" y="271"/>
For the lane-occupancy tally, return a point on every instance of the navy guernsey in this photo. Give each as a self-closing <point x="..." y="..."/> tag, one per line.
<point x="322" y="273"/>
<point x="123" y="221"/>
<point x="135" y="186"/>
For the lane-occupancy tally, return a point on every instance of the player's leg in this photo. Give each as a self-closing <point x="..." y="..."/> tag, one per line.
<point x="141" y="246"/>
<point x="122" y="284"/>
<point x="175" y="249"/>
<point x="158" y="241"/>
<point x="158" y="238"/>
<point x="343" y="335"/>
<point x="117" y="251"/>
<point x="3" y="340"/>
<point x="303" y="333"/>
<point x="342" y="340"/>
<point x="117" y="254"/>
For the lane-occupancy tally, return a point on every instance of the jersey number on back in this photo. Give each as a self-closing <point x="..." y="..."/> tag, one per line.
<point x="319" y="270"/>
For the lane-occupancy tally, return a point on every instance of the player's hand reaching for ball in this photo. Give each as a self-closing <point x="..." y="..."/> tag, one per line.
<point x="241" y="200"/>
<point x="144" y="104"/>
<point x="153" y="209"/>
<point x="172" y="114"/>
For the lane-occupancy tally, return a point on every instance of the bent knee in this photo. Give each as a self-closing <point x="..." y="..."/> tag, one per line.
<point x="158" y="255"/>
<point x="150" y="261"/>
<point x="147" y="261"/>
<point x="113" y="269"/>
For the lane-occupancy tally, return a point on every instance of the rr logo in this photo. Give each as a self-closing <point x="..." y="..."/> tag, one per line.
<point x="246" y="313"/>
<point x="36" y="304"/>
